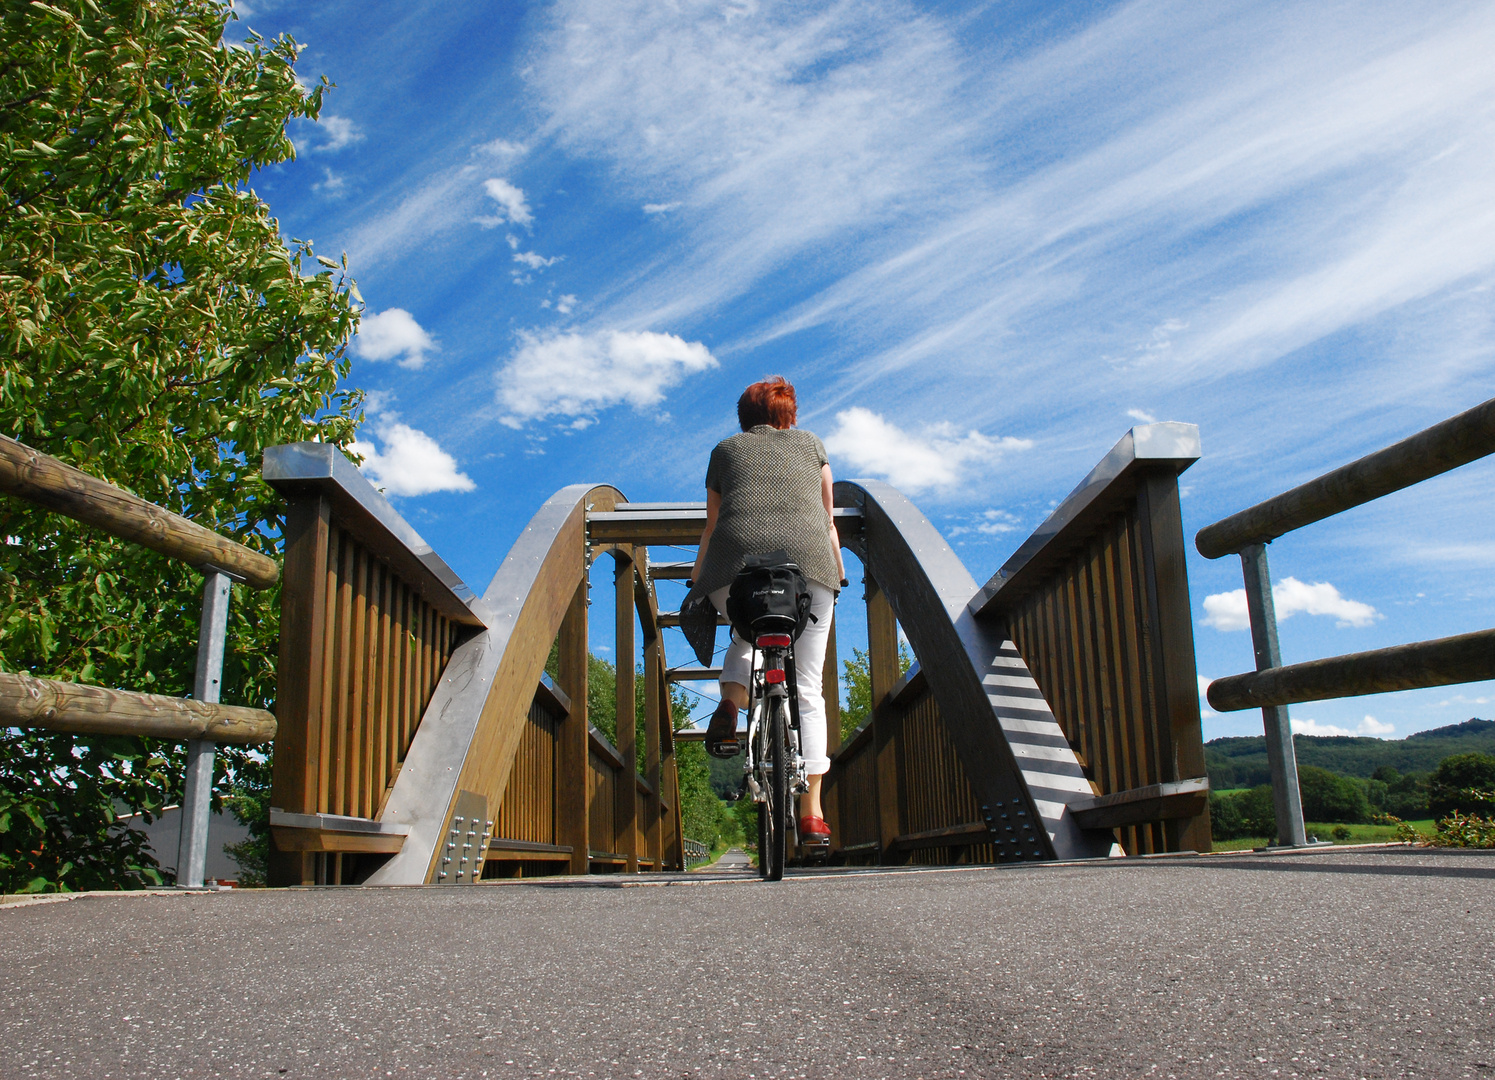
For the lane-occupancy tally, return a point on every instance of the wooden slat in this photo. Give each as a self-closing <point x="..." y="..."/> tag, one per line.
<point x="572" y="787"/>
<point x="302" y="673"/>
<point x="882" y="650"/>
<point x="624" y="651"/>
<point x="342" y="681"/>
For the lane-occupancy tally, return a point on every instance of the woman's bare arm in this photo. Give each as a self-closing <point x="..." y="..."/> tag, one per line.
<point x="713" y="507"/>
<point x="827" y="496"/>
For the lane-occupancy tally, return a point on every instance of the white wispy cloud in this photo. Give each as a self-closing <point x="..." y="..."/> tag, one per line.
<point x="511" y="201"/>
<point x="504" y="148"/>
<point x="577" y="375"/>
<point x="566" y="303"/>
<point x="935" y="457"/>
<point x="1141" y="416"/>
<point x="785" y="123"/>
<point x="393" y="334"/>
<point x="1228" y="610"/>
<point x="660" y="207"/>
<point x="410" y="462"/>
<point x="330" y="184"/>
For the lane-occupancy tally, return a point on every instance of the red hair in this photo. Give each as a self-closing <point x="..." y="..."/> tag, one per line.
<point x="768" y="402"/>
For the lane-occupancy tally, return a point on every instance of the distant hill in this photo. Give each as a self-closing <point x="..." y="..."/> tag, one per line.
<point x="1242" y="762"/>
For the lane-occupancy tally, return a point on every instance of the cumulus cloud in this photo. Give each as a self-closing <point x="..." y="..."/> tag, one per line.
<point x="410" y="463"/>
<point x="393" y="335"/>
<point x="1227" y="611"/>
<point x="1313" y="727"/>
<point x="1141" y="416"/>
<point x="510" y="200"/>
<point x="1369" y="726"/>
<point x="566" y="303"/>
<point x="576" y="375"/>
<point x="933" y="458"/>
<point x="535" y="262"/>
<point x="338" y="132"/>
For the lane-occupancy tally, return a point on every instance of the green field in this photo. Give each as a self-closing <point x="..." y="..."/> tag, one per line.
<point x="1359" y="834"/>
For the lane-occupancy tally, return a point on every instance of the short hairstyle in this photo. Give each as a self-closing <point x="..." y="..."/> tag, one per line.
<point x="768" y="402"/>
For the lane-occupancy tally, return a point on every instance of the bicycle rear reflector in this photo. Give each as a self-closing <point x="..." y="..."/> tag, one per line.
<point x="773" y="675"/>
<point x="774" y="641"/>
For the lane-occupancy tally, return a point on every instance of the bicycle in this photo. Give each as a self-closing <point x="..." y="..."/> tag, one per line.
<point x="773" y="766"/>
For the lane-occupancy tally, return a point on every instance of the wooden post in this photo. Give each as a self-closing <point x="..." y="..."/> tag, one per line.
<point x="830" y="687"/>
<point x="299" y="678"/>
<point x="1161" y="520"/>
<point x="572" y="787"/>
<point x="674" y="846"/>
<point x="623" y="653"/>
<point x="882" y="652"/>
<point x="654" y="684"/>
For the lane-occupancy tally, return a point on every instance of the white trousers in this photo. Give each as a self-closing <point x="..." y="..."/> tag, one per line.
<point x="809" y="666"/>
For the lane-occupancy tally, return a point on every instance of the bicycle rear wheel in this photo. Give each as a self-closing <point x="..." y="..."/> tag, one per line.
<point x="776" y="810"/>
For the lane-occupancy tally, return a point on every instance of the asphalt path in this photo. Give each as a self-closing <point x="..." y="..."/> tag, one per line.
<point x="1345" y="964"/>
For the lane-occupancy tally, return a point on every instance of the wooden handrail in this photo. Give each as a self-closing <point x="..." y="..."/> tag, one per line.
<point x="1441" y="662"/>
<point x="1456" y="441"/>
<point x="1167" y="447"/>
<point x="26" y="701"/>
<point x="40" y="478"/>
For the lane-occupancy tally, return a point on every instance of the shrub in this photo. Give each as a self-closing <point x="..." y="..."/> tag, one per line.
<point x="1466" y="831"/>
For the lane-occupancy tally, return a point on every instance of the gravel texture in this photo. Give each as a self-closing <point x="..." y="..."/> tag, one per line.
<point x="1352" y="964"/>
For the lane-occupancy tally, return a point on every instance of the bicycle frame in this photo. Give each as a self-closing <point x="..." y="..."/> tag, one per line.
<point x="774" y="677"/>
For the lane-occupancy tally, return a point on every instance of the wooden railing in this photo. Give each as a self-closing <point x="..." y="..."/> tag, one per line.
<point x="384" y="646"/>
<point x="1097" y="603"/>
<point x="934" y="817"/>
<point x="1273" y="685"/>
<point x="369" y="619"/>
<point x="25" y="701"/>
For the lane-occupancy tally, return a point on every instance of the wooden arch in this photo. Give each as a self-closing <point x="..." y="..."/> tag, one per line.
<point x="1011" y="750"/>
<point x="468" y="737"/>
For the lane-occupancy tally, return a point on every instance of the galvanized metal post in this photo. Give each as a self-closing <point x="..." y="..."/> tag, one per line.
<point x="192" y="848"/>
<point x="1287" y="801"/>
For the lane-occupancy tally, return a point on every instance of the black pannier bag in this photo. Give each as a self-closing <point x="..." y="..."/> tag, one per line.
<point x="769" y="595"/>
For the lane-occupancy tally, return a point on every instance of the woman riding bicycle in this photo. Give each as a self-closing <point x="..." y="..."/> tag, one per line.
<point x="769" y="488"/>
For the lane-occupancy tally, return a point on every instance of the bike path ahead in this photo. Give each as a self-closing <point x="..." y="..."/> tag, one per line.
<point x="1366" y="964"/>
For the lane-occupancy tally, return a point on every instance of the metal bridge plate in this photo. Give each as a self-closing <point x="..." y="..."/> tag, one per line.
<point x="466" y="841"/>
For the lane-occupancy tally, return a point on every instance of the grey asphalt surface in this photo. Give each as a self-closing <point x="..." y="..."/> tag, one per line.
<point x="1353" y="964"/>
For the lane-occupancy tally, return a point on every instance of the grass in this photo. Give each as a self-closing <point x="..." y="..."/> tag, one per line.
<point x="1359" y="834"/>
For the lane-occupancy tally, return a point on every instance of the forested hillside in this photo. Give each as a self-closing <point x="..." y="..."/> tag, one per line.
<point x="1242" y="762"/>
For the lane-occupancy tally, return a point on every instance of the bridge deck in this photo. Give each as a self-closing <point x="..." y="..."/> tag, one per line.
<point x="1349" y="963"/>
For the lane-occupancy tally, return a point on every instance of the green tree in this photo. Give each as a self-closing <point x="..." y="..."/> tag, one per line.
<point x="856" y="677"/>
<point x="1463" y="783"/>
<point x="1329" y="797"/>
<point x="158" y="332"/>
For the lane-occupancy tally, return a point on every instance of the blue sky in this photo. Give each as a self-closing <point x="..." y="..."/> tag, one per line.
<point x="982" y="239"/>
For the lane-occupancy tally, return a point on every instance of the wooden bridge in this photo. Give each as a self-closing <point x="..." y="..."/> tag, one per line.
<point x="1052" y="713"/>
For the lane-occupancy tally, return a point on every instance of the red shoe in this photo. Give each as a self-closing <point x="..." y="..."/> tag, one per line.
<point x="721" y="735"/>
<point x="814" y="830"/>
